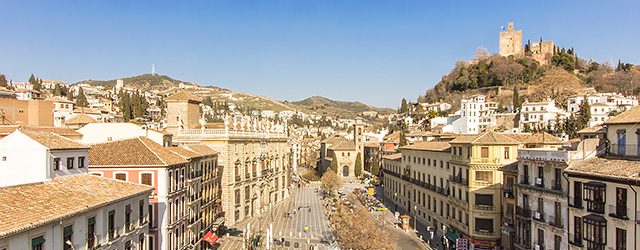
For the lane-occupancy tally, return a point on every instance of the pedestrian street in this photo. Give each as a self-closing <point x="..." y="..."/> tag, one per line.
<point x="288" y="219"/>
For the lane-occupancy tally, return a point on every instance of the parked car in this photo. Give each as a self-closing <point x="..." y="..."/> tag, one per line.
<point x="234" y="232"/>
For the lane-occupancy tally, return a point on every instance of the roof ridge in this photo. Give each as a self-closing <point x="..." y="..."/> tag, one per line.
<point x="152" y="151"/>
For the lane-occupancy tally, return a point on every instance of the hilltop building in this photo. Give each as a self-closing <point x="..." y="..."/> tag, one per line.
<point x="538" y="114"/>
<point x="602" y="104"/>
<point x="476" y="114"/>
<point x="511" y="41"/>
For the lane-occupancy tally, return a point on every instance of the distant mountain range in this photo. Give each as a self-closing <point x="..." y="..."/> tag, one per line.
<point x="312" y="105"/>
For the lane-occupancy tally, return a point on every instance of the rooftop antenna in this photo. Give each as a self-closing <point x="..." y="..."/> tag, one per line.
<point x="153" y="69"/>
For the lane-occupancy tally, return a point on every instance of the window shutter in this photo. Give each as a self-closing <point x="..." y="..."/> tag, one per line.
<point x="67" y="231"/>
<point x="37" y="240"/>
<point x="91" y="221"/>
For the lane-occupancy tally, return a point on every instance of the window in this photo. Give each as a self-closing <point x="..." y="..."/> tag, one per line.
<point x="146" y="179"/>
<point x="621" y="203"/>
<point x="70" y="163"/>
<point x="484" y="152"/>
<point x="56" y="164"/>
<point x="237" y="197"/>
<point x="80" y="162"/>
<point x="67" y="242"/>
<point x="150" y="221"/>
<point x="141" y="212"/>
<point x="127" y="218"/>
<point x="595" y="231"/>
<point x="91" y="232"/>
<point x="484" y="225"/>
<point x="484" y="176"/>
<point x="621" y="239"/>
<point x="594" y="194"/>
<point x="37" y="243"/>
<point x="111" y="224"/>
<point x="484" y="199"/>
<point x="121" y="176"/>
<point x="577" y="231"/>
<point x="127" y="245"/>
<point x="506" y="152"/>
<point x="141" y="242"/>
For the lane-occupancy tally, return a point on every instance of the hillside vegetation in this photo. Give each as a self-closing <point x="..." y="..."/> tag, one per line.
<point x="339" y="109"/>
<point x="498" y="76"/>
<point x="145" y="82"/>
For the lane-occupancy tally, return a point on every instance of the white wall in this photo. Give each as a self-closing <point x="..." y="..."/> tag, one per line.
<point x="103" y="132"/>
<point x="22" y="160"/>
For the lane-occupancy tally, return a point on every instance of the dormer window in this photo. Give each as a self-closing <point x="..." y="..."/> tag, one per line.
<point x="56" y="164"/>
<point x="80" y="162"/>
<point x="70" y="162"/>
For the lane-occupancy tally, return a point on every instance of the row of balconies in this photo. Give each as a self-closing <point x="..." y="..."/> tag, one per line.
<point x="393" y="174"/>
<point x="458" y="179"/>
<point x="459" y="202"/>
<point x="556" y="185"/>
<point x="113" y="234"/>
<point x="459" y="225"/>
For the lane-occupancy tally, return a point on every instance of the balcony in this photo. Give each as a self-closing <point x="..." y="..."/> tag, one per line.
<point x="254" y="174"/>
<point x="522" y="244"/>
<point x="508" y="193"/>
<point x="485" y="233"/>
<point x="555" y="221"/>
<point x="539" y="216"/>
<point x="459" y="202"/>
<point x="484" y="207"/>
<point x="458" y="225"/>
<point x="393" y="174"/>
<point x="113" y="234"/>
<point x="539" y="182"/>
<point x="575" y="240"/>
<point x="406" y="178"/>
<point x="575" y="202"/>
<point x="556" y="185"/>
<point x="238" y="178"/>
<point x="265" y="172"/>
<point x="483" y="183"/>
<point x="523" y="212"/>
<point x="619" y="212"/>
<point x="538" y="246"/>
<point x="247" y="175"/>
<point x="508" y="220"/>
<point x="625" y="149"/>
<point x="525" y="180"/>
<point x="459" y="158"/>
<point x="459" y="179"/>
<point x="143" y="220"/>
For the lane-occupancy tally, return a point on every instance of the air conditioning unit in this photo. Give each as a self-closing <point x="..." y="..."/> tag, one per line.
<point x="536" y="215"/>
<point x="537" y="247"/>
<point x="538" y="181"/>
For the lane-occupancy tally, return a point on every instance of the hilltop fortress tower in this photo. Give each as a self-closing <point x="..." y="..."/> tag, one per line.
<point x="511" y="42"/>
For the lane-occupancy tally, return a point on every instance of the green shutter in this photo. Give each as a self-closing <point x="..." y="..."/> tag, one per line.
<point x="67" y="231"/>
<point x="36" y="241"/>
<point x="91" y="221"/>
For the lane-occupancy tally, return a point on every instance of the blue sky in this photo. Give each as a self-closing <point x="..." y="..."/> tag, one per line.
<point x="376" y="52"/>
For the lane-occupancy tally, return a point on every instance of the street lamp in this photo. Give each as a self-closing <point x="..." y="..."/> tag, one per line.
<point x="396" y="200"/>
<point x="415" y="217"/>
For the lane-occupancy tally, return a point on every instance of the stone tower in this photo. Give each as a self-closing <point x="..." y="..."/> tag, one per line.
<point x="511" y="42"/>
<point x="183" y="111"/>
<point x="358" y="139"/>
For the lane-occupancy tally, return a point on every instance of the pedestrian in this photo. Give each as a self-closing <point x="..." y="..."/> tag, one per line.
<point x="306" y="229"/>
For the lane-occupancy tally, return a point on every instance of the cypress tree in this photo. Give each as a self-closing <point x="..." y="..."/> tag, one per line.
<point x="334" y="163"/>
<point x="81" y="99"/>
<point x="358" y="167"/>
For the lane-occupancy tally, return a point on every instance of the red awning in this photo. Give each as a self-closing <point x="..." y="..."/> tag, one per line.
<point x="210" y="237"/>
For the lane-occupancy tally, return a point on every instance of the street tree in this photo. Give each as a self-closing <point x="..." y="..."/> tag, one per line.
<point x="375" y="167"/>
<point x="358" y="230"/>
<point x="3" y="81"/>
<point x="334" y="164"/>
<point x="330" y="181"/>
<point x="358" y="167"/>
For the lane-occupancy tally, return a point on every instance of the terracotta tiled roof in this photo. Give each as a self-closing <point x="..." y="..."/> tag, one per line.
<point x="430" y="146"/>
<point x="201" y="149"/>
<point x="8" y="129"/>
<point x="81" y="119"/>
<point x="489" y="137"/>
<point x="511" y="167"/>
<point x="630" y="116"/>
<point x="183" y="95"/>
<point x="535" y="138"/>
<point x="58" y="99"/>
<point x="332" y="139"/>
<point x="84" y="110"/>
<point x="184" y="152"/>
<point x="217" y="125"/>
<point x="52" y="141"/>
<point x="599" y="129"/>
<point x="139" y="151"/>
<point x="395" y="157"/>
<point x="343" y="144"/>
<point x="606" y="167"/>
<point x="392" y="138"/>
<point x="28" y="206"/>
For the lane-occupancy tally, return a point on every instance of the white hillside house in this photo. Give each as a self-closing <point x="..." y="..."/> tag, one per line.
<point x="540" y="113"/>
<point x="476" y="115"/>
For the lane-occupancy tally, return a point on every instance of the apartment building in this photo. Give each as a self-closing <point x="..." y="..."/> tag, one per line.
<point x="509" y="194"/>
<point x="536" y="114"/>
<point x="392" y="182"/>
<point x="477" y="181"/>
<point x="476" y="115"/>
<point x="624" y="134"/>
<point x="601" y="105"/>
<point x="49" y="201"/>
<point x="603" y="204"/>
<point x="541" y="212"/>
<point x="177" y="176"/>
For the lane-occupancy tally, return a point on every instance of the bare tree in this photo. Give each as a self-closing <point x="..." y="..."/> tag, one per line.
<point x="330" y="181"/>
<point x="358" y="230"/>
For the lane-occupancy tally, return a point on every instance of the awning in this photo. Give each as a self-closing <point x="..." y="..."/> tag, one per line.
<point x="210" y="237"/>
<point x="508" y="229"/>
<point x="451" y="236"/>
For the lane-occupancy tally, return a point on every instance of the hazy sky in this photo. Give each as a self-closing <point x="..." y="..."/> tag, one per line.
<point x="376" y="52"/>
